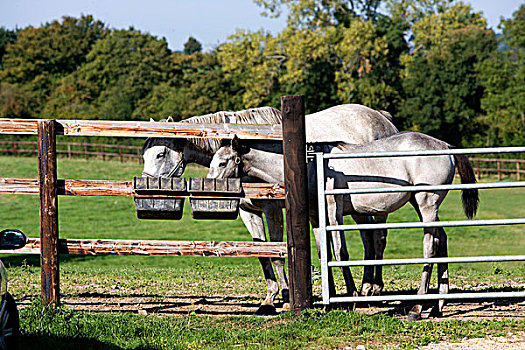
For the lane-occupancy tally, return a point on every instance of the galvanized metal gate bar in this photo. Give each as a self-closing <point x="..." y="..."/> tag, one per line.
<point x="420" y="188"/>
<point x="460" y="259"/>
<point x="414" y="297"/>
<point x="499" y="150"/>
<point x="324" y="228"/>
<point x="457" y="223"/>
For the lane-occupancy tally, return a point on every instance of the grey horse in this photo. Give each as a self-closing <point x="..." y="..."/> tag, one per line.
<point x="349" y="123"/>
<point x="253" y="158"/>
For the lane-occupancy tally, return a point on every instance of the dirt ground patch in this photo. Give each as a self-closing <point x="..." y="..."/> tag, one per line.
<point x="220" y="305"/>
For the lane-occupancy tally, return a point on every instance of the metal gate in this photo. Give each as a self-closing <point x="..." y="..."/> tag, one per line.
<point x="324" y="229"/>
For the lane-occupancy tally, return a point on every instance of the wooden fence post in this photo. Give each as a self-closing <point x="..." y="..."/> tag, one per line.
<point x="120" y="154"/>
<point x="47" y="174"/>
<point x="296" y="202"/>
<point x="518" y="177"/>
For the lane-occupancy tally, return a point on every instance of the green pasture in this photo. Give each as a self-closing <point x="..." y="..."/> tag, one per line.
<point x="114" y="218"/>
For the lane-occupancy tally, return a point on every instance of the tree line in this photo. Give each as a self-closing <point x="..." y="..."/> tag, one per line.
<point x="433" y="64"/>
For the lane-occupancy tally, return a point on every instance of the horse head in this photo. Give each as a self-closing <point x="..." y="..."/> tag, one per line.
<point x="226" y="162"/>
<point x="163" y="157"/>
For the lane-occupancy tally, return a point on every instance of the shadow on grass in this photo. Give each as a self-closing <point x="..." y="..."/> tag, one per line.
<point x="33" y="260"/>
<point x="165" y="304"/>
<point x="465" y="308"/>
<point x="46" y="342"/>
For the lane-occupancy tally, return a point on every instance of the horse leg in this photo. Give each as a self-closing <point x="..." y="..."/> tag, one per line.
<point x="335" y="217"/>
<point x="255" y="225"/>
<point x="379" y="249"/>
<point x="274" y="221"/>
<point x="369" y="254"/>
<point x="428" y="252"/>
<point x="426" y="205"/>
<point x="443" y="281"/>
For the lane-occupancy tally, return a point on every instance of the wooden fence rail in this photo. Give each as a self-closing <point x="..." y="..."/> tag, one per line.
<point x="123" y="188"/>
<point x="144" y="129"/>
<point x="482" y="166"/>
<point x="76" y="149"/>
<point x="162" y="248"/>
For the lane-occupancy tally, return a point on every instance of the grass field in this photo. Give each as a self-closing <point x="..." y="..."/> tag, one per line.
<point x="158" y="278"/>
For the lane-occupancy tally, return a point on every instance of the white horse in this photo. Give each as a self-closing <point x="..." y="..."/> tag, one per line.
<point x="257" y="158"/>
<point x="167" y="157"/>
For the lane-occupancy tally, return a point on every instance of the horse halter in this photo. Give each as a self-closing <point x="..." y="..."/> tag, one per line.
<point x="177" y="170"/>
<point x="238" y="168"/>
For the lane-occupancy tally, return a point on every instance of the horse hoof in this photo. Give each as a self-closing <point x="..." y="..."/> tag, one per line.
<point x="414" y="316"/>
<point x="366" y="289"/>
<point x="286" y="307"/>
<point x="435" y="312"/>
<point x="266" y="310"/>
<point x="377" y="289"/>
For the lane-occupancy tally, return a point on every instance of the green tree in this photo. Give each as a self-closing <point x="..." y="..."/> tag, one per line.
<point x="41" y="56"/>
<point x="15" y="101"/>
<point x="441" y="84"/>
<point x="198" y="86"/>
<point x="320" y="13"/>
<point x="120" y="70"/>
<point x="503" y="77"/>
<point x="7" y="36"/>
<point x="192" y="46"/>
<point x="252" y="60"/>
<point x="331" y="51"/>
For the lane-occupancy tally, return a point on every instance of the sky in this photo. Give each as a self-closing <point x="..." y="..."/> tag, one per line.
<point x="209" y="21"/>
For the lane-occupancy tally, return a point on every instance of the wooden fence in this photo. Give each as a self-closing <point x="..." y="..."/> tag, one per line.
<point x="75" y="149"/>
<point x="500" y="167"/>
<point x="48" y="187"/>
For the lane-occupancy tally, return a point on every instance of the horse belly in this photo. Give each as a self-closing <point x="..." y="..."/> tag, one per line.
<point x="375" y="204"/>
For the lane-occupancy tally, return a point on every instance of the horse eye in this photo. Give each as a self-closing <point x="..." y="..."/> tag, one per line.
<point x="161" y="155"/>
<point x="222" y="164"/>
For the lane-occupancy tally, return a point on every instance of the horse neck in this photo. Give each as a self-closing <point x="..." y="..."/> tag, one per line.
<point x="192" y="155"/>
<point x="267" y="166"/>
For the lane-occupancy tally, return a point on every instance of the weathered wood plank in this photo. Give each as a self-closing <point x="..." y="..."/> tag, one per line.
<point x="156" y="247"/>
<point x="145" y="129"/>
<point x="47" y="175"/>
<point x="296" y="202"/>
<point x="19" y="186"/>
<point x="120" y="188"/>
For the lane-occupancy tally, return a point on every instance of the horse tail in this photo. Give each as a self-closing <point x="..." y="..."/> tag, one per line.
<point x="470" y="198"/>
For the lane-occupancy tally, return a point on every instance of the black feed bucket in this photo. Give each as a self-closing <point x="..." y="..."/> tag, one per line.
<point x="215" y="208"/>
<point x="159" y="208"/>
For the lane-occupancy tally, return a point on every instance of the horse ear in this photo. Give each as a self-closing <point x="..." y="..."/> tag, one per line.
<point x="226" y="142"/>
<point x="152" y="120"/>
<point x="235" y="143"/>
<point x="169" y="119"/>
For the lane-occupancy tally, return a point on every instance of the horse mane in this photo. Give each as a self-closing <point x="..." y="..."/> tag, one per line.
<point x="387" y="115"/>
<point x="261" y="115"/>
<point x="258" y="116"/>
